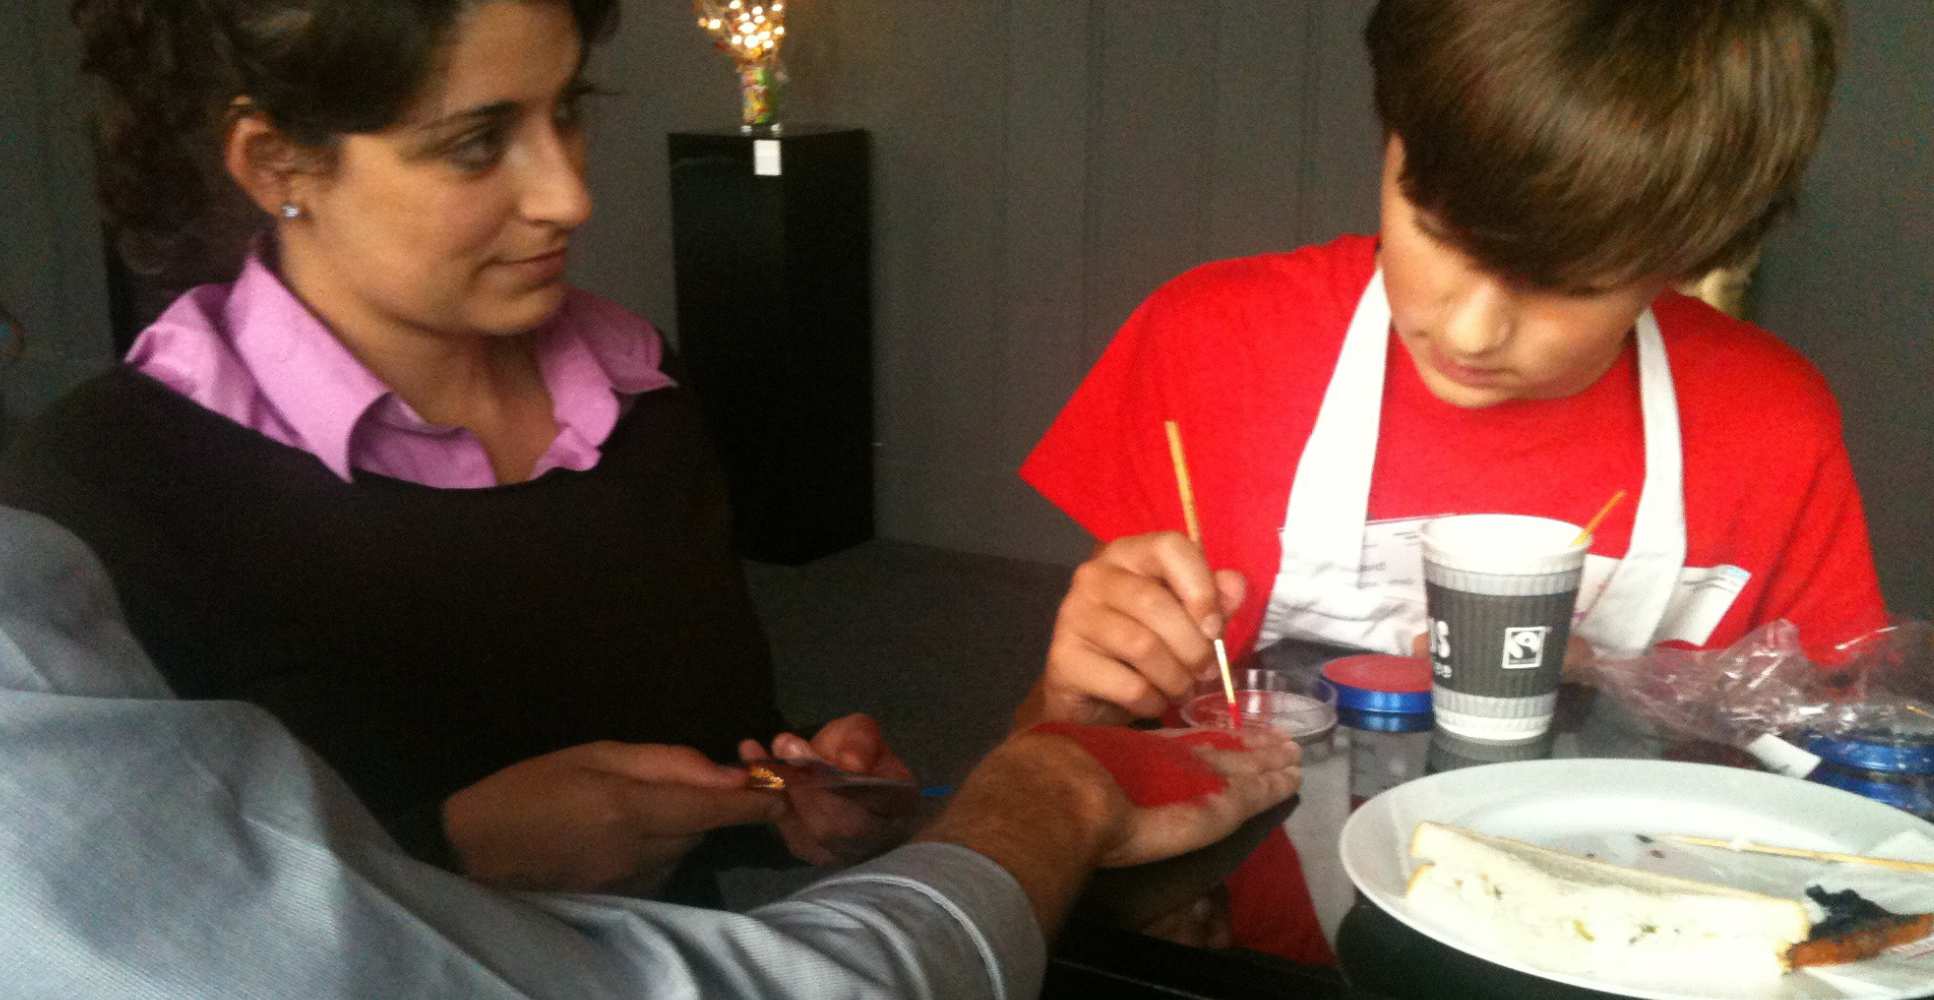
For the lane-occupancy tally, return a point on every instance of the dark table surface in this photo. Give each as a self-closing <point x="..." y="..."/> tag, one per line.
<point x="1382" y="959"/>
<point x="1094" y="960"/>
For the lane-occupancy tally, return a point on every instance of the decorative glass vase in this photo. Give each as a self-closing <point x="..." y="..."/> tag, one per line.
<point x="759" y="96"/>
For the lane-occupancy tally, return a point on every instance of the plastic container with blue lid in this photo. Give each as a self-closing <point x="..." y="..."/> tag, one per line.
<point x="1894" y="766"/>
<point x="1383" y="710"/>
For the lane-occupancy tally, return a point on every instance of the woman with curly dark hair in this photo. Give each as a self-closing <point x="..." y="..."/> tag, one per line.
<point x="393" y="479"/>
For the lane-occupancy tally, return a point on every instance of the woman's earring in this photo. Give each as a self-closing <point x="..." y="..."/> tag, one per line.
<point x="291" y="210"/>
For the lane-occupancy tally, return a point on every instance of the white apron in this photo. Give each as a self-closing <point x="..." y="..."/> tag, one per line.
<point x="1350" y="583"/>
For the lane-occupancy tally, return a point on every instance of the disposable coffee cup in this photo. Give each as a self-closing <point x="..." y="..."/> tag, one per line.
<point x="1499" y="590"/>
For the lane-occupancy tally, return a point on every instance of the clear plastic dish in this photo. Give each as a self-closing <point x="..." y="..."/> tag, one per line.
<point x="1305" y="711"/>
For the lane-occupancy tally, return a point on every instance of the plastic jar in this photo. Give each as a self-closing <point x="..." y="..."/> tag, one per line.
<point x="1450" y="752"/>
<point x="1383" y="709"/>
<point x="1892" y="767"/>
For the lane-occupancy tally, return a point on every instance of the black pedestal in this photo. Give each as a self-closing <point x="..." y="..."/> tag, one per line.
<point x="775" y="328"/>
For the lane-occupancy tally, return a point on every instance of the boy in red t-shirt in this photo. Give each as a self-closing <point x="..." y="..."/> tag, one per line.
<point x="1508" y="343"/>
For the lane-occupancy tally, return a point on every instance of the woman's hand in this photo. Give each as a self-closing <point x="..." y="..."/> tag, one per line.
<point x="597" y="815"/>
<point x="828" y="826"/>
<point x="1135" y="632"/>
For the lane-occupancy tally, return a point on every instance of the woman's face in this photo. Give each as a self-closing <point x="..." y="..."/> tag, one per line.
<point x="1479" y="339"/>
<point x="456" y="219"/>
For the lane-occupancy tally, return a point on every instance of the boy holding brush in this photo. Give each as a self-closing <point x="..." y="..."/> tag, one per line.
<point x="1507" y="343"/>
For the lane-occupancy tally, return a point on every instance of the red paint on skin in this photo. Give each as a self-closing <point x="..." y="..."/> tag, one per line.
<point x="1151" y="770"/>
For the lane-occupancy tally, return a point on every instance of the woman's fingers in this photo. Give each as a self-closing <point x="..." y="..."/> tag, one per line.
<point x="666" y="810"/>
<point x="854" y="742"/>
<point x="656" y="763"/>
<point x="793" y="748"/>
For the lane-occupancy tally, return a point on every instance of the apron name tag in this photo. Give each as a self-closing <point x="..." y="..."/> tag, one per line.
<point x="1393" y="557"/>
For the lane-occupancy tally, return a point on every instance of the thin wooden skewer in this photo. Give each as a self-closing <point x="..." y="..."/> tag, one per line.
<point x="1898" y="864"/>
<point x="1917" y="710"/>
<point x="1195" y="535"/>
<point x="1592" y="525"/>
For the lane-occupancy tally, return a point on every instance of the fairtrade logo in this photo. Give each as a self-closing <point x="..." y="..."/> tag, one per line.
<point x="1524" y="648"/>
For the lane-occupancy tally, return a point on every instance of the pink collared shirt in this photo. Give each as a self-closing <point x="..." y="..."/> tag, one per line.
<point x="253" y="353"/>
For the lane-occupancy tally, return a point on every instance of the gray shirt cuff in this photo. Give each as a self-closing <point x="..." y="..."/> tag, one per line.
<point x="980" y="895"/>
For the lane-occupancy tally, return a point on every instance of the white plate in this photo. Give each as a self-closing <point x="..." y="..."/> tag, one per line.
<point x="1600" y="807"/>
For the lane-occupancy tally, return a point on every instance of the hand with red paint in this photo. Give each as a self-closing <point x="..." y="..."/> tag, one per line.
<point x="1135" y="632"/>
<point x="1056" y="801"/>
<point x="828" y="826"/>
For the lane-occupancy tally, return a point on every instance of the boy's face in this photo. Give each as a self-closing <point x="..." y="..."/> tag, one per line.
<point x="1480" y="339"/>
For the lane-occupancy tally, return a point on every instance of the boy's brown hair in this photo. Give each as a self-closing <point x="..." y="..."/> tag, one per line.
<point x="1574" y="144"/>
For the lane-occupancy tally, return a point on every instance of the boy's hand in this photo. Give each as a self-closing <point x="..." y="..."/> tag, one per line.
<point x="1134" y="632"/>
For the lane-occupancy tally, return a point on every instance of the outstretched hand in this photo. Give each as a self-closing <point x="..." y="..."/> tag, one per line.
<point x="1046" y="810"/>
<point x="1135" y="631"/>
<point x="597" y="815"/>
<point x="1263" y="771"/>
<point x="825" y="826"/>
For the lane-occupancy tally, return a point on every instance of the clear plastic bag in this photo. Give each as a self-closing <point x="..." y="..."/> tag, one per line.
<point x="1765" y="684"/>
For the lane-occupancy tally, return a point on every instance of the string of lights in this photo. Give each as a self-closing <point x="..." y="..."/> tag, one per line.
<point x="748" y="32"/>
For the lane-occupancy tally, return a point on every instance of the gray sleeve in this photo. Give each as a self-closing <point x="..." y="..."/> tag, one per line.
<point x="157" y="848"/>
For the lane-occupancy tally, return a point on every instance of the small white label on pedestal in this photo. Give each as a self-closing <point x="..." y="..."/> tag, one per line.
<point x="765" y="157"/>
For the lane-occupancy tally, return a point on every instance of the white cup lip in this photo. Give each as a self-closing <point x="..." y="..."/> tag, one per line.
<point x="1504" y="543"/>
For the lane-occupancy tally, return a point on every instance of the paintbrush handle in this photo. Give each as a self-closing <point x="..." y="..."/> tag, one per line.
<point x="1898" y="864"/>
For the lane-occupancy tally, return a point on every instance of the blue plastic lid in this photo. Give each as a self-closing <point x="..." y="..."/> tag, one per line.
<point x="1374" y="682"/>
<point x="1886" y="754"/>
<point x="1916" y="797"/>
<point x="1385" y="722"/>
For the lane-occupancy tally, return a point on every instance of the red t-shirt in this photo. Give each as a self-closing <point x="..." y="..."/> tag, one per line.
<point x="1240" y="353"/>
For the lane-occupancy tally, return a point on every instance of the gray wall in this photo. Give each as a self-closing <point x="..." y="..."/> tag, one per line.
<point x="1040" y="165"/>
<point x="50" y="246"/>
<point x="1851" y="282"/>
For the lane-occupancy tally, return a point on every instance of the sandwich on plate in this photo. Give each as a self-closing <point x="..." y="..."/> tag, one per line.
<point x="1575" y="915"/>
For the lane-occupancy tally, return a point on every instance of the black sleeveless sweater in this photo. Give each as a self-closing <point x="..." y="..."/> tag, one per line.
<point x="418" y="639"/>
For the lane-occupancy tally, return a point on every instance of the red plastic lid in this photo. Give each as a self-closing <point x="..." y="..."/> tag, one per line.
<point x="1378" y="672"/>
<point x="1374" y="682"/>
